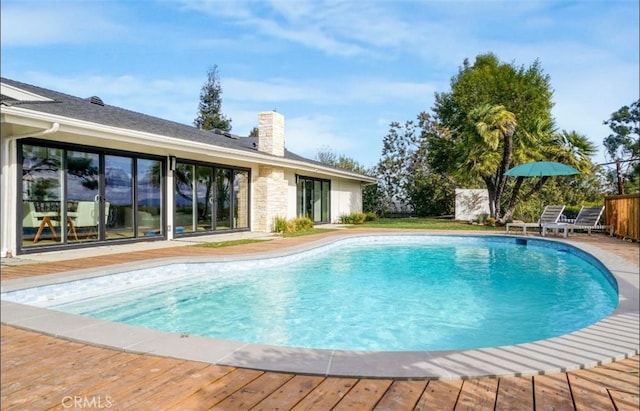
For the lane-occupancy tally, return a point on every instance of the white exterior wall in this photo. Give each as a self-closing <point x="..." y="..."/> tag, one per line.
<point x="292" y="194"/>
<point x="346" y="198"/>
<point x="8" y="197"/>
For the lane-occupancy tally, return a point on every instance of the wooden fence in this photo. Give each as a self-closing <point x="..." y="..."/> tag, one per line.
<point x="623" y="213"/>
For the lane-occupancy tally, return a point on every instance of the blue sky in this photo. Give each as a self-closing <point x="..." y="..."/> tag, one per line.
<point x="339" y="71"/>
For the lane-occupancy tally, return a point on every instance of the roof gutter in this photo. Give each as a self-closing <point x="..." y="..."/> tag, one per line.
<point x="54" y="127"/>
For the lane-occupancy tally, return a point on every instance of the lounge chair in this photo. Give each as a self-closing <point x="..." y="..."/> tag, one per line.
<point x="587" y="219"/>
<point x="551" y="214"/>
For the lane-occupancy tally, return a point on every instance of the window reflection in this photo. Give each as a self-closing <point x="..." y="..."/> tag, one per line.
<point x="312" y="198"/>
<point x="210" y="198"/>
<point x="41" y="195"/>
<point x="149" y="213"/>
<point x="71" y="196"/>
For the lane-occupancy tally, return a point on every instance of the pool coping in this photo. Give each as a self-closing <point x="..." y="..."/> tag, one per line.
<point x="614" y="338"/>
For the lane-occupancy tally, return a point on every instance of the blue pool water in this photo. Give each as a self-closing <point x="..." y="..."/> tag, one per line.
<point x="400" y="293"/>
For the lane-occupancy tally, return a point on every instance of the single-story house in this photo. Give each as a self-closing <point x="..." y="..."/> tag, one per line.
<point x="78" y="172"/>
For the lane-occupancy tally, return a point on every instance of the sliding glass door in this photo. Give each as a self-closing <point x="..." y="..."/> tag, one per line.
<point x="42" y="195"/>
<point x="149" y="199"/>
<point x="313" y="199"/>
<point x="83" y="195"/>
<point x="72" y="195"/>
<point x="210" y="198"/>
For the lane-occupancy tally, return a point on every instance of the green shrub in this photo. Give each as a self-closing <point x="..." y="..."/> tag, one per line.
<point x="353" y="218"/>
<point x="370" y="216"/>
<point x="280" y="225"/>
<point x="302" y="223"/>
<point x="482" y="218"/>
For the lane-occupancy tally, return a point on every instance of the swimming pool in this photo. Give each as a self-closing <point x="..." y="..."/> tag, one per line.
<point x="377" y="293"/>
<point x="610" y="338"/>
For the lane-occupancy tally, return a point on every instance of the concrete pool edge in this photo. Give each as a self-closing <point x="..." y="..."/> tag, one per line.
<point x="613" y="338"/>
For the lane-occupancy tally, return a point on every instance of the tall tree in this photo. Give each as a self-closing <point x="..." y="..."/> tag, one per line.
<point x="405" y="178"/>
<point x="395" y="168"/>
<point x="623" y="144"/>
<point x="328" y="156"/>
<point x="210" y="108"/>
<point x="495" y="127"/>
<point x="498" y="115"/>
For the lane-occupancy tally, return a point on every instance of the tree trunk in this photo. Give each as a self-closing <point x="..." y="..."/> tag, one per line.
<point x="508" y="214"/>
<point x="501" y="179"/>
<point x="491" y="190"/>
<point x="512" y="202"/>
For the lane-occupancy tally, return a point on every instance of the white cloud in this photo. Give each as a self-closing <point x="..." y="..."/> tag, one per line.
<point x="174" y="99"/>
<point x="338" y="91"/>
<point x="40" y="23"/>
<point x="339" y="71"/>
<point x="307" y="135"/>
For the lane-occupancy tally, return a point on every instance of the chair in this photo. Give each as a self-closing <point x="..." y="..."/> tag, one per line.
<point x="40" y="215"/>
<point x="551" y="214"/>
<point x="86" y="216"/>
<point x="587" y="219"/>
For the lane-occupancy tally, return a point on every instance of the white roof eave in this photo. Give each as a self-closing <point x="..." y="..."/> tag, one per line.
<point x="74" y="126"/>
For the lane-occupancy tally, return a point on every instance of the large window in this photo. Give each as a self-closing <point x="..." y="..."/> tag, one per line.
<point x="210" y="198"/>
<point x="77" y="195"/>
<point x="313" y="198"/>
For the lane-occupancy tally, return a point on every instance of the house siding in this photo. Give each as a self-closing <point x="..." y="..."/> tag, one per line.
<point x="72" y="120"/>
<point x="346" y="198"/>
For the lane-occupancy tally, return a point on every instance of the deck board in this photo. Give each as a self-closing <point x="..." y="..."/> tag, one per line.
<point x="588" y="395"/>
<point x="364" y="395"/>
<point x="620" y="380"/>
<point x="212" y="394"/>
<point x="440" y="395"/>
<point x="402" y="395"/>
<point x="478" y="395"/>
<point x="552" y="392"/>
<point x="38" y="371"/>
<point x="254" y="392"/>
<point x="624" y="401"/>
<point x="515" y="394"/>
<point x="292" y="392"/>
<point x="326" y="395"/>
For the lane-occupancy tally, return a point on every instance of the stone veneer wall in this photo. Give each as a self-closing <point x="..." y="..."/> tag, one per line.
<point x="270" y="189"/>
<point x="270" y="194"/>
<point x="271" y="133"/>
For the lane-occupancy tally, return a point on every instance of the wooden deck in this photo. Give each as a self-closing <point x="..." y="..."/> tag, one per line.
<point x="41" y="372"/>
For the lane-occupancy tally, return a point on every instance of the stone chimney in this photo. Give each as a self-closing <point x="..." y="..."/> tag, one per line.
<point x="271" y="133"/>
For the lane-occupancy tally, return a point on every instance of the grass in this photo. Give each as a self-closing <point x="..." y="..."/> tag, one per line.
<point x="220" y="244"/>
<point x="396" y="223"/>
<point x="314" y="230"/>
<point x="408" y="223"/>
<point x="427" y="224"/>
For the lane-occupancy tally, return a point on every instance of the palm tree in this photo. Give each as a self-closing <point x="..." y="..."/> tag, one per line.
<point x="495" y="127"/>
<point x="546" y="144"/>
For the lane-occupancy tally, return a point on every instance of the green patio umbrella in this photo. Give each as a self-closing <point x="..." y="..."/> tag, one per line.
<point x="541" y="169"/>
